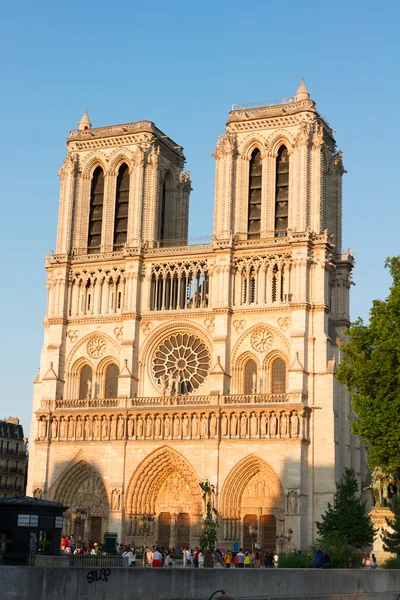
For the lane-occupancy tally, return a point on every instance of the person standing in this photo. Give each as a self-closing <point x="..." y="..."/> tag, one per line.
<point x="157" y="558"/>
<point x="201" y="560"/>
<point x="247" y="561"/>
<point x="228" y="559"/>
<point x="240" y="559"/>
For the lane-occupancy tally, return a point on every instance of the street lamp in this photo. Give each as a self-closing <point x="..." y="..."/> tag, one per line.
<point x="282" y="539"/>
<point x="145" y="522"/>
<point x="252" y="531"/>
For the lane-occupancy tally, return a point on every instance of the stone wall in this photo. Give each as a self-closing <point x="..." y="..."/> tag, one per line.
<point x="85" y="583"/>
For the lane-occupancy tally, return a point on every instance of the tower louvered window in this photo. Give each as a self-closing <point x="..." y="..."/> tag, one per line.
<point x="121" y="208"/>
<point x="96" y="211"/>
<point x="255" y="183"/>
<point x="162" y="211"/>
<point x="282" y="192"/>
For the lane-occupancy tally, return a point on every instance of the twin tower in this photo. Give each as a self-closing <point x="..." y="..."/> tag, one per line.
<point x="165" y="364"/>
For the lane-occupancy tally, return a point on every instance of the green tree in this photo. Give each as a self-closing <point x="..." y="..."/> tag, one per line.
<point x="208" y="538"/>
<point x="371" y="370"/>
<point x="348" y="516"/>
<point x="391" y="541"/>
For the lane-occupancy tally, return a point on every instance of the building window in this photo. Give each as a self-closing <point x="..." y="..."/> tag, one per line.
<point x="278" y="377"/>
<point x="282" y="191"/>
<point x="121" y="207"/>
<point x="112" y="373"/>
<point x="255" y="184"/>
<point x="85" y="382"/>
<point x="28" y="520"/>
<point x="250" y="377"/>
<point x="96" y="211"/>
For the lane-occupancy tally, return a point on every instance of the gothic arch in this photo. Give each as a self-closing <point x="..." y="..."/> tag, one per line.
<point x="94" y="160"/>
<point x="241" y="347"/>
<point x="250" y="143"/>
<point x="280" y="138"/>
<point x="117" y="158"/>
<point x="237" y="481"/>
<point x="78" y="350"/>
<point x="77" y="484"/>
<point x="151" y="473"/>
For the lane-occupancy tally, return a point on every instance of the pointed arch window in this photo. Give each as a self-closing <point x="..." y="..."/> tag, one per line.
<point x="282" y="192"/>
<point x="121" y="207"/>
<point x="85" y="382"/>
<point x="96" y="211"/>
<point x="250" y="377"/>
<point x="254" y="205"/>
<point x="111" y="389"/>
<point x="165" y="210"/>
<point x="278" y="377"/>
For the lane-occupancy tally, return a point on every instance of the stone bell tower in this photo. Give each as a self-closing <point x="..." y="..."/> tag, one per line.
<point x="277" y="170"/>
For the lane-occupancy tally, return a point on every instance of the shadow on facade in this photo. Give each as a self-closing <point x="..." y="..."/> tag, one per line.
<point x="263" y="500"/>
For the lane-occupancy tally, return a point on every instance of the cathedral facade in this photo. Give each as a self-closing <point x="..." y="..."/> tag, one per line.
<point x="165" y="364"/>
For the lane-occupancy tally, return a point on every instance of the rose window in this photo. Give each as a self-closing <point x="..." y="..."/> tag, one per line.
<point x="181" y="363"/>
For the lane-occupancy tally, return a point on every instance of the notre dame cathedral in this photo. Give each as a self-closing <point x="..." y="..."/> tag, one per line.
<point x="165" y="364"/>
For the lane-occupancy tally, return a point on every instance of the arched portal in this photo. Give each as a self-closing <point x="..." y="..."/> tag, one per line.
<point x="82" y="487"/>
<point x="166" y="487"/>
<point x="252" y="504"/>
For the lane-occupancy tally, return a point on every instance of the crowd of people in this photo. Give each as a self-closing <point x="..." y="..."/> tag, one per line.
<point x="156" y="556"/>
<point x="69" y="545"/>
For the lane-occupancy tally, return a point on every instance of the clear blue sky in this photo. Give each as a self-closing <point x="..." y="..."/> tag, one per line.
<point x="182" y="65"/>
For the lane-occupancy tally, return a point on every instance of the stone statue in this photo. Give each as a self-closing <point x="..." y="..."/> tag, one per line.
<point x="43" y="427"/>
<point x="89" y="389"/>
<point x="78" y="428"/>
<point x="167" y="429"/>
<point x="130" y="427"/>
<point x="294" y="420"/>
<point x="158" y="426"/>
<point x="176" y="426"/>
<point x="272" y="424"/>
<point x="263" y="424"/>
<point x="163" y="385"/>
<point x="233" y="425"/>
<point x="104" y="428"/>
<point x="113" y="428"/>
<point x="140" y="427"/>
<point x="116" y="500"/>
<point x="62" y="428"/>
<point x="185" y="426"/>
<point x="213" y="425"/>
<point x="254" y="383"/>
<point x="53" y="429"/>
<point x="243" y="426"/>
<point x="71" y="428"/>
<point x="293" y="502"/>
<point x="195" y="427"/>
<point x="120" y="429"/>
<point x="96" y="428"/>
<point x="283" y="425"/>
<point x="149" y="423"/>
<point x="204" y="426"/>
<point x="177" y="384"/>
<point x="170" y="386"/>
<point x="88" y="428"/>
<point x="253" y="425"/>
<point x="224" y="425"/>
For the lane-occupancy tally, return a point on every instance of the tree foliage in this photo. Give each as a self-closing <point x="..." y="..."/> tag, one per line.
<point x="371" y="370"/>
<point x="391" y="539"/>
<point x="347" y="517"/>
<point x="208" y="538"/>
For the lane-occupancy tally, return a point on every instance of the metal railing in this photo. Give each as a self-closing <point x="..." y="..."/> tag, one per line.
<point x="98" y="560"/>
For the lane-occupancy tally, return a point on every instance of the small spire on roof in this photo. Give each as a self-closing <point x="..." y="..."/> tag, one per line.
<point x="302" y="93"/>
<point x="84" y="123"/>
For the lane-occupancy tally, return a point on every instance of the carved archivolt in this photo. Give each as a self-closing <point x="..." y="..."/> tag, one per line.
<point x="82" y="486"/>
<point x="238" y="480"/>
<point x="151" y="474"/>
